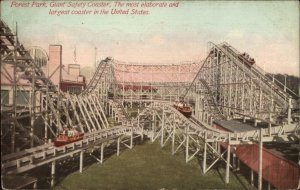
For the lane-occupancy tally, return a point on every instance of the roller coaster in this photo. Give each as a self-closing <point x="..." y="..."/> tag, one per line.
<point x="219" y="89"/>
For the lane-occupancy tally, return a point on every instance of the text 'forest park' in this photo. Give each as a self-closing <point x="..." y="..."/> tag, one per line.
<point x="72" y="4"/>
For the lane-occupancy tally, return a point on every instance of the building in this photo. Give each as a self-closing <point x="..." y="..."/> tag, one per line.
<point x="66" y="79"/>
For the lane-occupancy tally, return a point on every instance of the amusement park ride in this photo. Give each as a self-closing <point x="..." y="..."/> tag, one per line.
<point x="67" y="136"/>
<point x="230" y="106"/>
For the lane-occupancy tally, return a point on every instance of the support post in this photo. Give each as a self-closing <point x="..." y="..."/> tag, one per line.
<point x="290" y="111"/>
<point x="252" y="178"/>
<point x="187" y="145"/>
<point x="270" y="115"/>
<point x="228" y="160"/>
<point x="101" y="158"/>
<point x="138" y="124"/>
<point x="81" y="162"/>
<point x="238" y="165"/>
<point x="162" y="128"/>
<point x="260" y="160"/>
<point x="299" y="160"/>
<point x="34" y="185"/>
<point x="204" y="153"/>
<point x="118" y="147"/>
<point x="153" y="127"/>
<point x="46" y="116"/>
<point x="131" y="138"/>
<point x="173" y="140"/>
<point x="109" y="110"/>
<point x="269" y="128"/>
<point x="52" y="173"/>
<point x="142" y="134"/>
<point x="234" y="160"/>
<point x="215" y="145"/>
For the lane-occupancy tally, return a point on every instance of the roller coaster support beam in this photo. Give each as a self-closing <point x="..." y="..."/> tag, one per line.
<point x="81" y="162"/>
<point x="86" y="101"/>
<point x="181" y="143"/>
<point x="219" y="156"/>
<point x="82" y="112"/>
<point x="197" y="149"/>
<point x="102" y="112"/>
<point x="87" y="112"/>
<point x="75" y="112"/>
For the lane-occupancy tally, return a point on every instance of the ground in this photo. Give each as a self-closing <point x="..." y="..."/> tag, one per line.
<point x="149" y="166"/>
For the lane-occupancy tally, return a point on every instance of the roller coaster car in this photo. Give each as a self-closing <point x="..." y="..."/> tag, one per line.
<point x="183" y="108"/>
<point x="68" y="136"/>
<point x="246" y="58"/>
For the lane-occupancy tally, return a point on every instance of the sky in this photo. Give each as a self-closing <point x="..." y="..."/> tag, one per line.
<point x="268" y="31"/>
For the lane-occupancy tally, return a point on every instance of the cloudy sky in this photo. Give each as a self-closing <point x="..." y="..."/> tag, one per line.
<point x="268" y="31"/>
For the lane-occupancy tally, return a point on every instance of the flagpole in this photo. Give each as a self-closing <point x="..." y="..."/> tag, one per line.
<point x="75" y="58"/>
